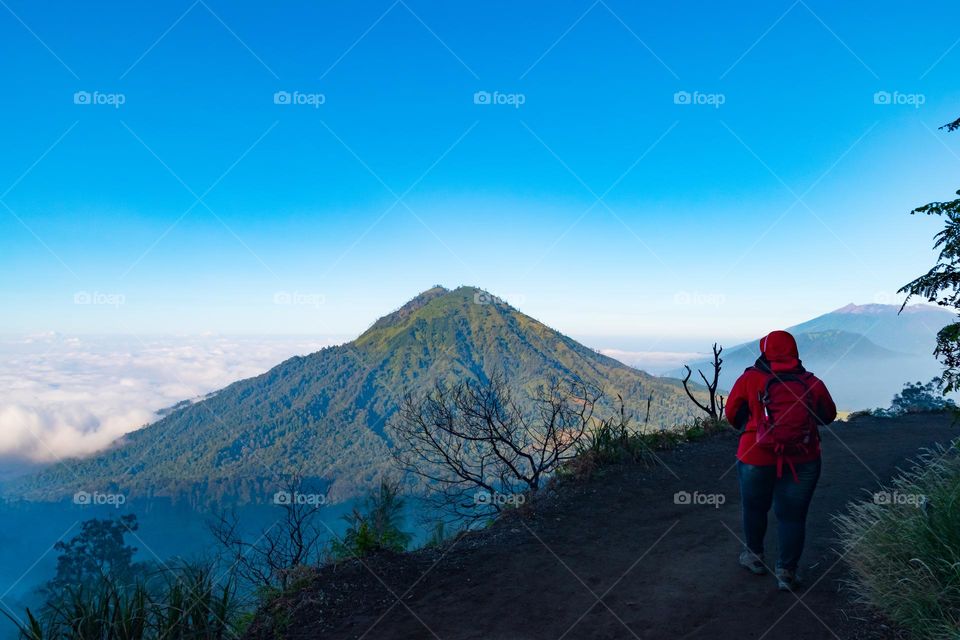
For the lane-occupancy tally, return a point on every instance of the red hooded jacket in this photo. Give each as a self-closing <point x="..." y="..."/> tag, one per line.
<point x="778" y="355"/>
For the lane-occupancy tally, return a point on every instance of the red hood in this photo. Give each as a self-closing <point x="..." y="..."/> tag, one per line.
<point x="780" y="349"/>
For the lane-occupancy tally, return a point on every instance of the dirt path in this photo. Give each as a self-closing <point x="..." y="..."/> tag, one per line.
<point x="616" y="557"/>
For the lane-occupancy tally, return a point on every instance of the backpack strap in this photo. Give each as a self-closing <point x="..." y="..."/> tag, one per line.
<point x="793" y="469"/>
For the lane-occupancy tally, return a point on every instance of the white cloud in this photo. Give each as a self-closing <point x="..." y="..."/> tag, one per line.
<point x="67" y="396"/>
<point x="656" y="362"/>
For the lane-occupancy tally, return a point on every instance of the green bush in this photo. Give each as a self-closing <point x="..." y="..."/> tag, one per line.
<point x="377" y="527"/>
<point x="439" y="535"/>
<point x="903" y="547"/>
<point x="100" y="550"/>
<point x="191" y="606"/>
<point x="915" y="397"/>
<point x="919" y="397"/>
<point x="613" y="441"/>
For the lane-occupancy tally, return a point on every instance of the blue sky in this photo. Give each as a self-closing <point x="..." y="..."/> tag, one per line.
<point x="598" y="205"/>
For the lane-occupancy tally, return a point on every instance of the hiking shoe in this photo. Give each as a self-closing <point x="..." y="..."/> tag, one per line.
<point x="787" y="579"/>
<point x="752" y="562"/>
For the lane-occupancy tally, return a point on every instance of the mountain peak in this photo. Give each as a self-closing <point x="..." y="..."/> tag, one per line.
<point x="863" y="308"/>
<point x="410" y="307"/>
<point x="877" y="308"/>
<point x="462" y="293"/>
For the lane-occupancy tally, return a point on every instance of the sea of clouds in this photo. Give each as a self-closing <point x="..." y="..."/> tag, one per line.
<point x="64" y="396"/>
<point x="655" y="362"/>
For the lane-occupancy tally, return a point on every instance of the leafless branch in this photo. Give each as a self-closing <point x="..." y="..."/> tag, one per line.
<point x="271" y="560"/>
<point x="474" y="443"/>
<point x="714" y="404"/>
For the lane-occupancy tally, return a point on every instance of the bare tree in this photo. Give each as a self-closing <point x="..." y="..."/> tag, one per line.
<point x="271" y="560"/>
<point x="482" y="450"/>
<point x="714" y="407"/>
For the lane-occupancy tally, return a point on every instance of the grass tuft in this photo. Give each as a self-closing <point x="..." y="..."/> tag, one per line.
<point x="903" y="547"/>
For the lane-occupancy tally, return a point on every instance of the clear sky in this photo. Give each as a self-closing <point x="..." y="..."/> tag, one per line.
<point x="301" y="167"/>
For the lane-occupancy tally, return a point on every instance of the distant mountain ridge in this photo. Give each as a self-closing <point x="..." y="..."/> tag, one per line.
<point x="911" y="331"/>
<point x="865" y="353"/>
<point x="323" y="415"/>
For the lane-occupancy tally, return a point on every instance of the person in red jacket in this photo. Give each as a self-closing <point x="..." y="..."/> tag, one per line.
<point x="781" y="475"/>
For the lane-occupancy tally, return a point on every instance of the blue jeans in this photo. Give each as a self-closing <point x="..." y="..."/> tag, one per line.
<point x="759" y="488"/>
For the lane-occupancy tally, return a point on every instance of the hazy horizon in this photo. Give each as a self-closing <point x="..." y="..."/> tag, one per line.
<point x="73" y="395"/>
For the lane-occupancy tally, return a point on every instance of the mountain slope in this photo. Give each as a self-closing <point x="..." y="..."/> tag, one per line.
<point x="323" y="415"/>
<point x="865" y="353"/>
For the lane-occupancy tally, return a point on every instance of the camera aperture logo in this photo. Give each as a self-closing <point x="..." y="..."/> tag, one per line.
<point x="99" y="98"/>
<point x="285" y="498"/>
<point x="299" y="98"/>
<point x="715" y="500"/>
<point x="97" y="499"/>
<point x="715" y="100"/>
<point x="515" y="100"/>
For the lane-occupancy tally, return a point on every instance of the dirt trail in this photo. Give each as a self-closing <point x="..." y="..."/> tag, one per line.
<point x="616" y="557"/>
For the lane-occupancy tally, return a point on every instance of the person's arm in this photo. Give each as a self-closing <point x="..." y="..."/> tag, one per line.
<point x="737" y="408"/>
<point x="823" y="405"/>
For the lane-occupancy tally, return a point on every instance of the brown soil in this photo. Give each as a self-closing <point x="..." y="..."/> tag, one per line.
<point x="616" y="557"/>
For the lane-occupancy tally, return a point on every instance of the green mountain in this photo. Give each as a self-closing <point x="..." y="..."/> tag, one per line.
<point x="323" y="415"/>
